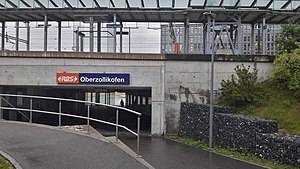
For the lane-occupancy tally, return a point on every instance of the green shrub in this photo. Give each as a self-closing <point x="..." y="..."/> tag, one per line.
<point x="287" y="71"/>
<point x="242" y="88"/>
<point x="288" y="38"/>
<point x="282" y="72"/>
<point x="294" y="84"/>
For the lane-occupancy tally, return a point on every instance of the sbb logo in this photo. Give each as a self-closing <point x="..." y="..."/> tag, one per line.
<point x="67" y="78"/>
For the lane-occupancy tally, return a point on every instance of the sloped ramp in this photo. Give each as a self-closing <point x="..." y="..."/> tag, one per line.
<point x="36" y="146"/>
<point x="113" y="140"/>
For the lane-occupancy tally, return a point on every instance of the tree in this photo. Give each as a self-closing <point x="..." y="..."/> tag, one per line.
<point x="286" y="71"/>
<point x="289" y="37"/>
<point x="242" y="88"/>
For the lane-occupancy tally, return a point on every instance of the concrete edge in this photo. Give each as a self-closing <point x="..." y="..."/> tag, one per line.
<point x="248" y="162"/>
<point x="14" y="162"/>
<point x="129" y="151"/>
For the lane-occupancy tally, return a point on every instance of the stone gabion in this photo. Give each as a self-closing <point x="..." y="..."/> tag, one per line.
<point x="246" y="134"/>
<point x="278" y="147"/>
<point x="230" y="130"/>
<point x="238" y="131"/>
<point x="194" y="119"/>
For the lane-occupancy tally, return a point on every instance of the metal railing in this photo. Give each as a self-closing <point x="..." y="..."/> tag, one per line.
<point x="60" y="113"/>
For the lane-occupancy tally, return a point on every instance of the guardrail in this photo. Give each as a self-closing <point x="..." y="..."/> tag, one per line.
<point x="60" y="113"/>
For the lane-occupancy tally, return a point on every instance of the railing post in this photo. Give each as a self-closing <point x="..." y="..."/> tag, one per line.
<point x="1" y="112"/>
<point x="117" y="125"/>
<point x="30" y="115"/>
<point x="138" y="137"/>
<point x="88" y="118"/>
<point x="59" y="116"/>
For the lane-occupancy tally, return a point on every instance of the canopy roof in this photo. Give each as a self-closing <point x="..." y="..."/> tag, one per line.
<point x="251" y="11"/>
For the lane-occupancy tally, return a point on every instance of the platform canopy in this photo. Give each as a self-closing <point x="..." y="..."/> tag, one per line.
<point x="251" y="11"/>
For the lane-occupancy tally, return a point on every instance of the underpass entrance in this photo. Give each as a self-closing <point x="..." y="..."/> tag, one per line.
<point x="134" y="98"/>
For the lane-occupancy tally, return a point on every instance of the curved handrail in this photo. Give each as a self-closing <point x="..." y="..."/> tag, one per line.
<point x="88" y="118"/>
<point x="72" y="100"/>
<point x="19" y="111"/>
<point x="69" y="115"/>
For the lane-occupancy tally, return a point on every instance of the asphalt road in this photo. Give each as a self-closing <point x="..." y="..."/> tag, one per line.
<point x="167" y="154"/>
<point x="43" y="147"/>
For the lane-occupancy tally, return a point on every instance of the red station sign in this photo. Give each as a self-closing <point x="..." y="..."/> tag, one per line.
<point x="67" y="78"/>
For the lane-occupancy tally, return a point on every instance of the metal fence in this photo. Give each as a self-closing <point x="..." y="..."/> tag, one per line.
<point x="60" y="113"/>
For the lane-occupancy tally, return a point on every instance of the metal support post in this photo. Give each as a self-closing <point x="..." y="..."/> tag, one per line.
<point x="91" y="34"/>
<point x="264" y="29"/>
<point x="77" y="39"/>
<point x="258" y="39"/>
<point x="1" y="112"/>
<point x="231" y="30"/>
<point x="239" y="35"/>
<point x="99" y="37"/>
<point x="129" y="40"/>
<point x="59" y="37"/>
<point x="274" y="44"/>
<point x="117" y="125"/>
<point x="208" y="36"/>
<point x="88" y="118"/>
<point x="186" y="34"/>
<point x="3" y="36"/>
<point x="204" y="40"/>
<point x="28" y="36"/>
<point x="211" y="112"/>
<point x="121" y="39"/>
<point x="59" y="116"/>
<point x="115" y="35"/>
<point x="17" y="35"/>
<point x="147" y="101"/>
<point x="252" y="39"/>
<point x="138" y="137"/>
<point x="81" y="43"/>
<point x="30" y="113"/>
<point x="45" y="32"/>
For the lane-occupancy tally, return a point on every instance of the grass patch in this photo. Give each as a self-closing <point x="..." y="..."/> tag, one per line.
<point x="4" y="164"/>
<point x="233" y="154"/>
<point x="279" y="105"/>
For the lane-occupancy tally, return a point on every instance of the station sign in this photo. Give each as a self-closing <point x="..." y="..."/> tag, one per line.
<point x="92" y="78"/>
<point x="114" y="25"/>
<point x="67" y="78"/>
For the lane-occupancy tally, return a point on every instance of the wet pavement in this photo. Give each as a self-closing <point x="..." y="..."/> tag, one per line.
<point x="44" y="147"/>
<point x="167" y="154"/>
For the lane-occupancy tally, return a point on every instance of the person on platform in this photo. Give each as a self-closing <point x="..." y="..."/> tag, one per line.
<point x="122" y="103"/>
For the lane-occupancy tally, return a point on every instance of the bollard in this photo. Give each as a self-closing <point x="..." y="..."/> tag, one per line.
<point x="138" y="137"/>
<point x="59" y="116"/>
<point x="88" y="119"/>
<point x="30" y="115"/>
<point x="117" y="125"/>
<point x="1" y="112"/>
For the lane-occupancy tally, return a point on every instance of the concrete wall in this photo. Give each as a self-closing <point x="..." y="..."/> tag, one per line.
<point x="172" y="81"/>
<point x="42" y="72"/>
<point x="188" y="81"/>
